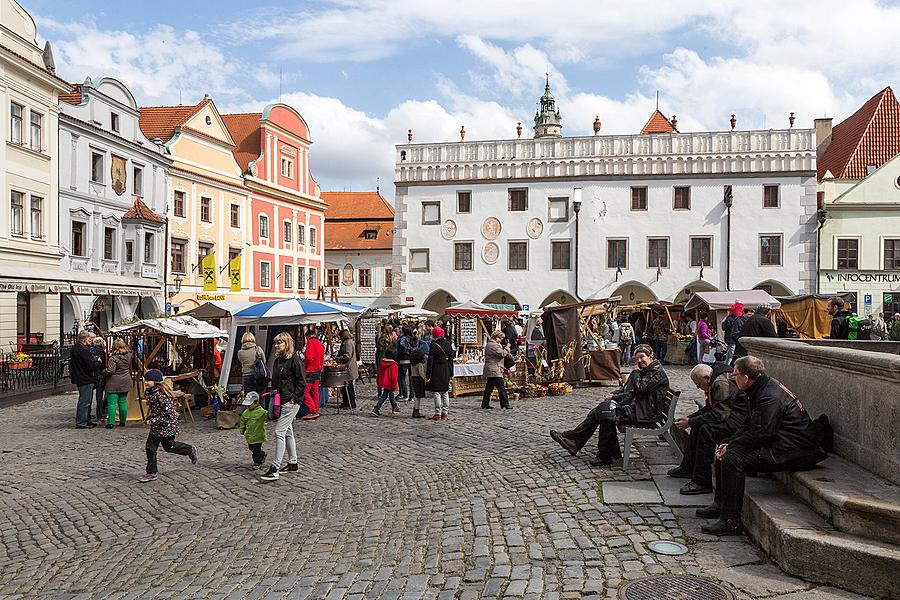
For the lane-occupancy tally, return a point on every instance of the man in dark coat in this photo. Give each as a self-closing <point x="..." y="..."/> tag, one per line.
<point x="722" y="417"/>
<point x="83" y="371"/>
<point x="638" y="401"/>
<point x="777" y="435"/>
<point x="840" y="328"/>
<point x="757" y="325"/>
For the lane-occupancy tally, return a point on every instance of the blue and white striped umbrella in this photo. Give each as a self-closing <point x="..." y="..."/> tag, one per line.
<point x="295" y="308"/>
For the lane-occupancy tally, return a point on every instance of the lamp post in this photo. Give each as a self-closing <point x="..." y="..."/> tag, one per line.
<point x="821" y="217"/>
<point x="576" y="206"/>
<point x="728" y="200"/>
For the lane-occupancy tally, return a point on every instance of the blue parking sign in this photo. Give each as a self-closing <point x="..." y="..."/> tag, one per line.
<point x="867" y="299"/>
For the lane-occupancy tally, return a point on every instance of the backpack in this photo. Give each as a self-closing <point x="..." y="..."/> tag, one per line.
<point x="627" y="334"/>
<point x="261" y="373"/>
<point x="858" y="328"/>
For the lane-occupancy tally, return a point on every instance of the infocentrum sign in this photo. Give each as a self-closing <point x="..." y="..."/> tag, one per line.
<point x="856" y="277"/>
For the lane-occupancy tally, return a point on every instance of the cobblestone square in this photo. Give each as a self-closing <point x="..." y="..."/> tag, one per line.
<point x="483" y="505"/>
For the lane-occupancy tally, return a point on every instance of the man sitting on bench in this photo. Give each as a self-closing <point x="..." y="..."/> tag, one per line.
<point x="722" y="417"/>
<point x="638" y="402"/>
<point x="778" y="435"/>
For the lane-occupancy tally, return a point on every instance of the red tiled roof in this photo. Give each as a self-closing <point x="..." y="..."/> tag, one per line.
<point x="244" y="129"/>
<point x="870" y="136"/>
<point x="73" y="97"/>
<point x="162" y="121"/>
<point x="657" y="123"/>
<point x="358" y="206"/>
<point x="351" y="235"/>
<point x="142" y="212"/>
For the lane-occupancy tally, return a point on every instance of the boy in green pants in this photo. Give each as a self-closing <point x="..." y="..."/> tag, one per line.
<point x="253" y="426"/>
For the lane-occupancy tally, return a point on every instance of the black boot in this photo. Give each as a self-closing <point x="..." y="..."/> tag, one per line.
<point x="709" y="512"/>
<point x="723" y="527"/>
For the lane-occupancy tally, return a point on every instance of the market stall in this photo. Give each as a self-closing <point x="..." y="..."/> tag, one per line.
<point x="718" y="303"/>
<point x="807" y="315"/>
<point x="574" y="352"/>
<point x="642" y="314"/>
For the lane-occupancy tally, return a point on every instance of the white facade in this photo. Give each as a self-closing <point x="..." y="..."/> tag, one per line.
<point x="107" y="165"/>
<point x="605" y="169"/>
<point x="351" y="268"/>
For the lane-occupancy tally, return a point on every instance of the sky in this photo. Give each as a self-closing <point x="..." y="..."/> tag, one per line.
<point x="363" y="72"/>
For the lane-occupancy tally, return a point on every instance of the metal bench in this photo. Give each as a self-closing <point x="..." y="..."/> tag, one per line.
<point x="664" y="423"/>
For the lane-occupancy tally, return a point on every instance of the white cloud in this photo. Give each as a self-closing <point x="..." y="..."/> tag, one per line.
<point x="516" y="73"/>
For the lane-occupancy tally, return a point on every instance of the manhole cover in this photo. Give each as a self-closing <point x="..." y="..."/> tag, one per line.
<point x="668" y="548"/>
<point x="673" y="587"/>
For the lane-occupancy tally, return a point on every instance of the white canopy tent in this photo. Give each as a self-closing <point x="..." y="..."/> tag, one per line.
<point x="719" y="302"/>
<point x="216" y="309"/>
<point x="416" y="313"/>
<point x="180" y="326"/>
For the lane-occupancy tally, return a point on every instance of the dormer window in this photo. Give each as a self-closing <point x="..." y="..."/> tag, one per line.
<point x="370" y="234"/>
<point x="114" y="122"/>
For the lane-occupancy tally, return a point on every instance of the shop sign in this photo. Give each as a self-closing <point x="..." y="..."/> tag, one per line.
<point x="11" y="287"/>
<point x="151" y="271"/>
<point x="410" y="299"/>
<point x="209" y="297"/>
<point x="864" y="277"/>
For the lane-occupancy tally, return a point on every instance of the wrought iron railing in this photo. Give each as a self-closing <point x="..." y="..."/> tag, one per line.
<point x="44" y="368"/>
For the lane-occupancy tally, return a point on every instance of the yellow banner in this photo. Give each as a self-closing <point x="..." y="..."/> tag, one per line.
<point x="234" y="272"/>
<point x="208" y="268"/>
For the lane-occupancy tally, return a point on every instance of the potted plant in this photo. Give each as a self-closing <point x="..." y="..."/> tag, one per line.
<point x="20" y="361"/>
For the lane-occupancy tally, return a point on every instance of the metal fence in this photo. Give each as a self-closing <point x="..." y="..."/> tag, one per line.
<point x="43" y="369"/>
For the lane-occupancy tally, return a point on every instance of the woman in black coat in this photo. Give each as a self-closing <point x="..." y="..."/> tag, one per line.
<point x="439" y="373"/>
<point x="289" y="380"/>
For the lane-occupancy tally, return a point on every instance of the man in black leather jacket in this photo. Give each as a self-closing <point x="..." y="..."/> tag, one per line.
<point x="778" y="435"/>
<point x="638" y="401"/>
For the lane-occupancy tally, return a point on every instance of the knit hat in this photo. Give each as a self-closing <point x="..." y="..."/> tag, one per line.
<point x="153" y="375"/>
<point x="737" y="309"/>
<point x="437" y="332"/>
<point x="764" y="308"/>
<point x="250" y="398"/>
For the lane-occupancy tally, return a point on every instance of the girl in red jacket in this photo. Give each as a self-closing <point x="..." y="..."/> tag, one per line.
<point x="388" y="382"/>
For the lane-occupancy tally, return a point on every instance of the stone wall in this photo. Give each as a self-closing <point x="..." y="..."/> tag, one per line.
<point x="859" y="390"/>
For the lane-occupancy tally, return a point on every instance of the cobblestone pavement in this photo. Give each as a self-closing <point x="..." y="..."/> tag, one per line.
<point x="483" y="505"/>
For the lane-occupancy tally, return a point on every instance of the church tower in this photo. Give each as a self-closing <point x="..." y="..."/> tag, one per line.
<point x="547" y="122"/>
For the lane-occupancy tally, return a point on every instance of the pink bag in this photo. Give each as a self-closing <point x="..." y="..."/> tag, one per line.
<point x="276" y="407"/>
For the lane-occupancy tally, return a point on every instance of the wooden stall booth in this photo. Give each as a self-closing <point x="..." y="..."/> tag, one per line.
<point x="805" y="316"/>
<point x="716" y="304"/>
<point x="566" y="327"/>
<point x="642" y="315"/>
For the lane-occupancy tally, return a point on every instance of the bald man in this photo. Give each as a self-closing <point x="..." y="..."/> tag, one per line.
<point x="722" y="417"/>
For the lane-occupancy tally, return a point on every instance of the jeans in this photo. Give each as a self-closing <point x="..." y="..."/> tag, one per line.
<point x="116" y="400"/>
<point x="83" y="411"/>
<point x="494" y="382"/>
<point x="101" y="402"/>
<point x="169" y="445"/>
<point x="441" y="402"/>
<point x="284" y="434"/>
<point x="730" y="354"/>
<point x="386" y="394"/>
<point x="659" y="348"/>
<point x="258" y="455"/>
<point x="626" y="354"/>
<point x="403" y="374"/>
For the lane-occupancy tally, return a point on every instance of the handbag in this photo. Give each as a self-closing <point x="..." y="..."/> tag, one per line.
<point x="261" y="373"/>
<point x="508" y="361"/>
<point x="276" y="406"/>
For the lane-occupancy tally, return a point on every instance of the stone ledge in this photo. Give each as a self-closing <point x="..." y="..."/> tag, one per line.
<point x="802" y="543"/>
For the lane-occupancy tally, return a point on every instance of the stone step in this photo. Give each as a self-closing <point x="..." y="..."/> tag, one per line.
<point x="804" y="544"/>
<point x="850" y="498"/>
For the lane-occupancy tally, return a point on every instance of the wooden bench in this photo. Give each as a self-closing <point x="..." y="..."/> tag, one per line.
<point x="664" y="421"/>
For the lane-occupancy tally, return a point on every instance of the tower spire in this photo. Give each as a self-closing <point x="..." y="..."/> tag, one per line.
<point x="547" y="120"/>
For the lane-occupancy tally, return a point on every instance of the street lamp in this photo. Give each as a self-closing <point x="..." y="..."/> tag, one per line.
<point x="821" y="217"/>
<point x="728" y="199"/>
<point x="178" y="280"/>
<point x="576" y="206"/>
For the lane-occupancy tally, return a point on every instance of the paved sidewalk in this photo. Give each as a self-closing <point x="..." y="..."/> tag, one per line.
<point x="483" y="505"/>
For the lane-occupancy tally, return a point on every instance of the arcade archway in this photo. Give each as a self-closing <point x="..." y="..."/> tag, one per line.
<point x="560" y="297"/>
<point x="438" y="301"/>
<point x="634" y="292"/>
<point x="501" y="297"/>
<point x="692" y="288"/>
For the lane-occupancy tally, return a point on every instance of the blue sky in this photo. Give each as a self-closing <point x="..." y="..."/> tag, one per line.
<point x="362" y="72"/>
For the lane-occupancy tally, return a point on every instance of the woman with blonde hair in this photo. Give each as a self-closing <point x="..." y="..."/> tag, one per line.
<point x="118" y="383"/>
<point x="289" y="380"/>
<point x="248" y="354"/>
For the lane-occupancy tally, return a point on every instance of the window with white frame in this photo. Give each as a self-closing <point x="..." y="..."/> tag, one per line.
<point x="463" y="202"/>
<point x="17" y="213"/>
<point x="701" y="251"/>
<point x="419" y="260"/>
<point x="617" y="253"/>
<point x="332" y="278"/>
<point x="288" y="277"/>
<point x="37" y="131"/>
<point x="97" y="160"/>
<point x="16" y="123"/>
<point x="138" y="184"/>
<point x="312" y="278"/>
<point x="891" y="254"/>
<point x="365" y="278"/>
<point x="301" y="278"/>
<point x="517" y="199"/>
<point x="287" y="167"/>
<point x="265" y="274"/>
<point x="129" y="251"/>
<point x="78" y="235"/>
<point x="205" y="209"/>
<point x="150" y="248"/>
<point x="312" y="237"/>
<point x="518" y="255"/>
<point x="560" y="255"/>
<point x="178" y="202"/>
<point x="235" y="215"/>
<point x="657" y="253"/>
<point x="109" y="243"/>
<point x="114" y="122"/>
<point x="847" y="256"/>
<point x="770" y="250"/>
<point x="558" y="210"/>
<point x="288" y="230"/>
<point x="431" y="213"/>
<point x="37" y="218"/>
<point x="462" y="256"/>
<point x="179" y="264"/>
<point x="264" y="226"/>
<point x="301" y="235"/>
<point x="770" y="196"/>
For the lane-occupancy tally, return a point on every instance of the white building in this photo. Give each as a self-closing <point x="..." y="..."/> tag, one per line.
<point x="496" y="220"/>
<point x="112" y="206"/>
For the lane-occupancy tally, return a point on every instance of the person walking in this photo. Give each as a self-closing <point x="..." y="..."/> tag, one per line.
<point x="494" y="354"/>
<point x="83" y="372"/>
<point x="703" y="337"/>
<point x="439" y="372"/>
<point x="404" y="350"/>
<point x="418" y="363"/>
<point x="98" y="349"/>
<point x="253" y="427"/>
<point x="163" y="423"/>
<point x="313" y="362"/>
<point x="626" y="340"/>
<point x="387" y="383"/>
<point x="347" y="356"/>
<point x="732" y="326"/>
<point x="118" y="383"/>
<point x="659" y="337"/>
<point x="248" y="354"/>
<point x="289" y="381"/>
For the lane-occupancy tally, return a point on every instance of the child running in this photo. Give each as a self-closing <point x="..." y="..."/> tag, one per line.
<point x="253" y="426"/>
<point x="163" y="422"/>
<point x="388" y="382"/>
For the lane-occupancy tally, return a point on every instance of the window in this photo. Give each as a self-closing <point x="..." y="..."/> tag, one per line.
<point x="287" y="231"/>
<point x="561" y="254"/>
<point x="288" y="277"/>
<point x="138" y="181"/>
<point x="205" y="209"/>
<point x="370" y="234"/>
<point x="109" y="243"/>
<point x="97" y="167"/>
<point x="177" y="256"/>
<point x="263" y="226"/>
<point x="179" y="203"/>
<point x="518" y="200"/>
<point x="770" y="196"/>
<point x="301" y="235"/>
<point x="463" y="202"/>
<point x="701" y="251"/>
<point x="78" y="238"/>
<point x="892" y="255"/>
<point x="149" y="254"/>
<point x="235" y="214"/>
<point x="203" y="250"/>
<point x="420" y="260"/>
<point x="312" y="237"/>
<point x="129" y="251"/>
<point x="848" y="253"/>
<point x="462" y="256"/>
<point x="37" y="131"/>
<point x="332" y="278"/>
<point x="388" y="278"/>
<point x="518" y="256"/>
<point x="558" y="211"/>
<point x="287" y="168"/>
<point x="769" y="250"/>
<point x="114" y="122"/>
<point x="301" y="278"/>
<point x="312" y="278"/>
<point x="16" y="116"/>
<point x="682" y="199"/>
<point x="431" y="213"/>
<point x="616" y="254"/>
<point x="657" y="253"/>
<point x="17" y="213"/>
<point x="265" y="274"/>
<point x="638" y="198"/>
<point x="365" y="278"/>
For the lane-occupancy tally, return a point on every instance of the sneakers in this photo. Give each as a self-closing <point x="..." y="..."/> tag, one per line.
<point x="310" y="417"/>
<point x="109" y="425"/>
<point x="290" y="468"/>
<point x="148" y="477"/>
<point x="395" y="410"/>
<point x="195" y="456"/>
<point x="376" y="412"/>
<point x="271" y="474"/>
<point x="436" y="418"/>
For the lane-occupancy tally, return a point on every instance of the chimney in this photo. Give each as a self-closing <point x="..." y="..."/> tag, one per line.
<point x="823" y="135"/>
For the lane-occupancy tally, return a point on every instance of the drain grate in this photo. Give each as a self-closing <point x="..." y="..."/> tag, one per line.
<point x="674" y="587"/>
